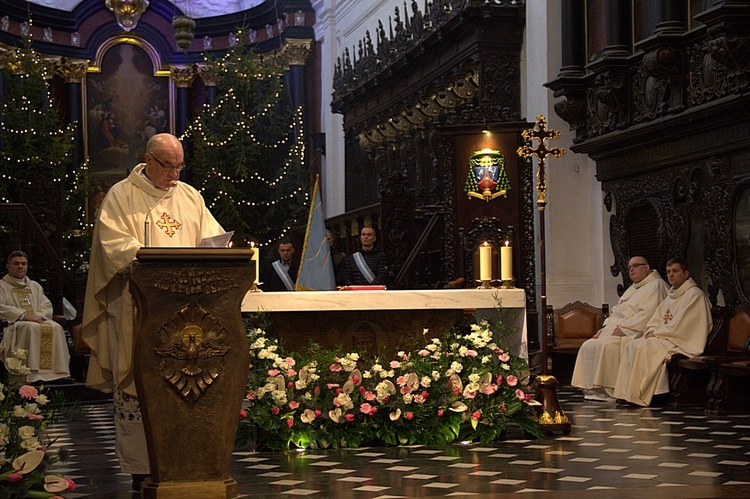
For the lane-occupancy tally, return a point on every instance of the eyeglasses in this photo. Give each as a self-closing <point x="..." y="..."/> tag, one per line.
<point x="170" y="168"/>
<point x="636" y="265"/>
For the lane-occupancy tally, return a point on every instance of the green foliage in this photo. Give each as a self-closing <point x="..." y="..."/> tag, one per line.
<point x="248" y="149"/>
<point x="463" y="386"/>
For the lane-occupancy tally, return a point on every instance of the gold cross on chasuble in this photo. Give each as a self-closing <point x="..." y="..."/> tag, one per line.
<point x="667" y="316"/>
<point x="169" y="225"/>
<point x="24" y="298"/>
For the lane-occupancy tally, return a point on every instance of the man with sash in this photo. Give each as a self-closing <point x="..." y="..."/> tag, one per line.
<point x="679" y="325"/>
<point x="29" y="315"/>
<point x="367" y="266"/>
<point x="599" y="358"/>
<point x="282" y="274"/>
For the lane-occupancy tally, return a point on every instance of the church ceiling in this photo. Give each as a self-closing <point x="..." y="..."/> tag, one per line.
<point x="197" y="9"/>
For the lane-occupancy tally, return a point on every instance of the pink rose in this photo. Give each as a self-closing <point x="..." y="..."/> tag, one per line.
<point x="520" y="394"/>
<point x="405" y="390"/>
<point x="502" y="408"/>
<point x="335" y="368"/>
<point x="290" y="361"/>
<point x="369" y="396"/>
<point x="28" y="392"/>
<point x="441" y="412"/>
<point x="504" y="357"/>
<point x="368" y="409"/>
<point x="71" y="484"/>
<point x="332" y="385"/>
<point x="362" y="389"/>
<point x="409" y="415"/>
<point x="317" y="413"/>
<point x="471" y="353"/>
<point x="355" y="380"/>
<point x="423" y="353"/>
<point x="274" y="372"/>
<point x="511" y="380"/>
<point x="34" y="416"/>
<point x="349" y="417"/>
<point x="275" y="411"/>
<point x="289" y="423"/>
<point x="290" y="384"/>
<point x="15" y="477"/>
<point x="291" y="372"/>
<point x="401" y="380"/>
<point x="316" y="390"/>
<point x="395" y="364"/>
<point x="499" y="379"/>
<point x="476" y="415"/>
<point x="293" y="404"/>
<point x="243" y="413"/>
<point x="250" y="396"/>
<point x="489" y="389"/>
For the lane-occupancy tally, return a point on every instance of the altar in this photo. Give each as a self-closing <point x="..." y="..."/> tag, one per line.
<point x="386" y="321"/>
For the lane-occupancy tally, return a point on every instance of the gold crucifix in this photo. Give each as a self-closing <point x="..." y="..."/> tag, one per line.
<point x="540" y="133"/>
<point x="166" y="223"/>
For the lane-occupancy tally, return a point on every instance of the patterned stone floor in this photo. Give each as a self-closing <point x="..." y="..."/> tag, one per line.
<point x="610" y="452"/>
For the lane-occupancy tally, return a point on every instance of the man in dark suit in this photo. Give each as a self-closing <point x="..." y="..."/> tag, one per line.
<point x="281" y="275"/>
<point x="367" y="266"/>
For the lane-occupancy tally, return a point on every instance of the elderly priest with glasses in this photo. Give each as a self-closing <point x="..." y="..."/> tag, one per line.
<point x="151" y="207"/>
<point x="599" y="357"/>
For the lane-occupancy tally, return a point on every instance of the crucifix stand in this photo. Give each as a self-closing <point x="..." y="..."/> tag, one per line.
<point x="551" y="416"/>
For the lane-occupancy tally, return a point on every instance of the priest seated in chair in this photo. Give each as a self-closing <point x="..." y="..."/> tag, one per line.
<point x="30" y="325"/>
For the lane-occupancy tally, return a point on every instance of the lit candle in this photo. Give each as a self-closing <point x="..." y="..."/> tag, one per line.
<point x="506" y="262"/>
<point x="256" y="259"/>
<point x="485" y="262"/>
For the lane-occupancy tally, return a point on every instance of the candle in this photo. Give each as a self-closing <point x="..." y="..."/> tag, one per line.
<point x="485" y="262"/>
<point x="256" y="259"/>
<point x="506" y="262"/>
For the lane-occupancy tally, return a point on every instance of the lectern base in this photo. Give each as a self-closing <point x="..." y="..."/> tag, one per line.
<point x="180" y="490"/>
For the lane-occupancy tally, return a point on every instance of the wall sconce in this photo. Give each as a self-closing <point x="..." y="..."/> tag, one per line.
<point x="127" y="12"/>
<point x="487" y="178"/>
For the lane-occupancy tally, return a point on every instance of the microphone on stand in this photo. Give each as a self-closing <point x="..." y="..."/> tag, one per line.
<point x="146" y="223"/>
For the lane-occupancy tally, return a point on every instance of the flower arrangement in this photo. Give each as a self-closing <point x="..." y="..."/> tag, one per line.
<point x="463" y="386"/>
<point x="25" y="412"/>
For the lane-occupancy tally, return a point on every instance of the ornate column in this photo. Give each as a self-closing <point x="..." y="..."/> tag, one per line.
<point x="672" y="16"/>
<point x="573" y="37"/>
<point x="72" y="72"/>
<point x="297" y="51"/>
<point x="619" y="38"/>
<point x="183" y="79"/>
<point x="210" y="77"/>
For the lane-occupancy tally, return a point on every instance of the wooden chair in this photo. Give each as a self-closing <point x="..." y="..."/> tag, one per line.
<point x="689" y="378"/>
<point x="728" y="390"/>
<point x="571" y="325"/>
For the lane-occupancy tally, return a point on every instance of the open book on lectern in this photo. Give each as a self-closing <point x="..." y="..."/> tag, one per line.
<point x="220" y="241"/>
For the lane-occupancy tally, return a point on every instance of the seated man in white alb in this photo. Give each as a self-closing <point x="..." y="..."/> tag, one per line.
<point x="599" y="358"/>
<point x="680" y="325"/>
<point x="29" y="315"/>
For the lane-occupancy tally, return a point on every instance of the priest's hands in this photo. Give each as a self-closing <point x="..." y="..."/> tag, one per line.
<point x="650" y="334"/>
<point x="598" y="333"/>
<point x="618" y="332"/>
<point x="33" y="318"/>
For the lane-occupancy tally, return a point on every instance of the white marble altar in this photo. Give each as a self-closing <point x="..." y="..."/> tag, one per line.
<point x="390" y="319"/>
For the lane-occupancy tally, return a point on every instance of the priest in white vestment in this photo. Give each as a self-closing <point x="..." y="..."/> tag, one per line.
<point x="30" y="325"/>
<point x="177" y="216"/>
<point x="599" y="357"/>
<point x="680" y="324"/>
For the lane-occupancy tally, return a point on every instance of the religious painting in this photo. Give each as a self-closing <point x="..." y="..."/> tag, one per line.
<point x="126" y="104"/>
<point x="742" y="240"/>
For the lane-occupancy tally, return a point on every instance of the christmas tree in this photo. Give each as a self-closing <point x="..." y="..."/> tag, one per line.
<point x="33" y="132"/>
<point x="31" y="128"/>
<point x="248" y="150"/>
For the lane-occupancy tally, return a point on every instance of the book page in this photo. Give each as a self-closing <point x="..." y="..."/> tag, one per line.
<point x="220" y="241"/>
